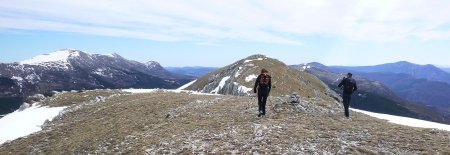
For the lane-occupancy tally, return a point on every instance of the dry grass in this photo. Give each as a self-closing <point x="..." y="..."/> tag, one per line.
<point x="182" y="123"/>
<point x="285" y="80"/>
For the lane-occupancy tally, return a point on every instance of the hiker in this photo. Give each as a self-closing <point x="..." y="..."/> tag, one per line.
<point x="263" y="84"/>
<point x="349" y="87"/>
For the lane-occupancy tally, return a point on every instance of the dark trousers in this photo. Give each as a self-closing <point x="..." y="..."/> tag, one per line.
<point x="262" y="99"/>
<point x="346" y="98"/>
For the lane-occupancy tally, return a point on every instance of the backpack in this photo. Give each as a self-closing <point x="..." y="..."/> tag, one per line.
<point x="264" y="80"/>
<point x="349" y="84"/>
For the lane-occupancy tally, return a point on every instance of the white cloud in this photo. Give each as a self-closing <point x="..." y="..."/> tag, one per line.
<point x="266" y="21"/>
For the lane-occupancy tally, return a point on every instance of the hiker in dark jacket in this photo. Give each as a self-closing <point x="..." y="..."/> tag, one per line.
<point x="263" y="84"/>
<point x="349" y="87"/>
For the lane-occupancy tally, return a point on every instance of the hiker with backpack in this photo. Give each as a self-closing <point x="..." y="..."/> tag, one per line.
<point x="263" y="84"/>
<point x="349" y="87"/>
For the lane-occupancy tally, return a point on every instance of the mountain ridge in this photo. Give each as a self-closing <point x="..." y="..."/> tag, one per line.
<point x="428" y="71"/>
<point x="185" y="122"/>
<point x="426" y="91"/>
<point x="374" y="95"/>
<point x="196" y="71"/>
<point x="69" y="69"/>
<point x="239" y="77"/>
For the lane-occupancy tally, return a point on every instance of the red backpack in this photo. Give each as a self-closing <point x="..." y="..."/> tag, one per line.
<point x="264" y="80"/>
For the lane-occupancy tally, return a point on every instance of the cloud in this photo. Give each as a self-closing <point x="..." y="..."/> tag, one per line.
<point x="266" y="21"/>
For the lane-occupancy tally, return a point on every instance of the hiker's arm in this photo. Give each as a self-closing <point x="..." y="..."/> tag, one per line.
<point x="355" y="88"/>
<point x="342" y="82"/>
<point x="256" y="83"/>
<point x="270" y="84"/>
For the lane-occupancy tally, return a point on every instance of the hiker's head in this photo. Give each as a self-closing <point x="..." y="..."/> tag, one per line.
<point x="349" y="75"/>
<point x="264" y="71"/>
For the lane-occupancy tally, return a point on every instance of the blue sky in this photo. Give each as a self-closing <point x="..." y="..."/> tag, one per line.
<point x="217" y="33"/>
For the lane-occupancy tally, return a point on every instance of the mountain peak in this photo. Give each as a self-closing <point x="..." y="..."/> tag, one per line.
<point x="404" y="63"/>
<point x="317" y="64"/>
<point x="153" y="64"/>
<point x="256" y="56"/>
<point x="60" y="56"/>
<point x="239" y="77"/>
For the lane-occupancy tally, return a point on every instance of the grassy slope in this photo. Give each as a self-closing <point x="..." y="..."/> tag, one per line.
<point x="285" y="80"/>
<point x="189" y="124"/>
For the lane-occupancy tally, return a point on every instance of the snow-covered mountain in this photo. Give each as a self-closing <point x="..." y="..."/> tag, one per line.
<point x="70" y="69"/>
<point x="158" y="121"/>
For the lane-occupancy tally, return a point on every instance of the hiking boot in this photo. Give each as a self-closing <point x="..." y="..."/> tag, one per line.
<point x="259" y="115"/>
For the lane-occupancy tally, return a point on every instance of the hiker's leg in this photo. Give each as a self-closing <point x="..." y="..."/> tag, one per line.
<point x="346" y="104"/>
<point x="260" y="98"/>
<point x="264" y="103"/>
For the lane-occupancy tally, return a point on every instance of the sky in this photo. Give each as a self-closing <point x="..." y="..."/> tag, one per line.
<point x="216" y="33"/>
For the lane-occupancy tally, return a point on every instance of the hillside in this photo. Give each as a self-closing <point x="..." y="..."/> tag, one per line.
<point x="446" y="69"/>
<point x="184" y="123"/>
<point x="238" y="79"/>
<point x="374" y="95"/>
<point x="69" y="69"/>
<point x="433" y="94"/>
<point x="423" y="85"/>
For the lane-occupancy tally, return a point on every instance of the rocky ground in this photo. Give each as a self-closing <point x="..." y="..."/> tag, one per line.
<point x="115" y="122"/>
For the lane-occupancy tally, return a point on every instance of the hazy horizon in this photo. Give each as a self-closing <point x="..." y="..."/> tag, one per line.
<point x="239" y="59"/>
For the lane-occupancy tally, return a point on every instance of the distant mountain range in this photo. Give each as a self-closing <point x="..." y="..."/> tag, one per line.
<point x="428" y="72"/>
<point x="373" y="95"/>
<point x="191" y="71"/>
<point x="401" y="88"/>
<point x="446" y="69"/>
<point x="69" y="69"/>
<point x="423" y="85"/>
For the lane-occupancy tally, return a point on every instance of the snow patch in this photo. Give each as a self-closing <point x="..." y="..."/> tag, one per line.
<point x="19" y="79"/>
<point x="139" y="91"/>
<point x="406" y="121"/>
<point x="187" y="85"/>
<point x="103" y="72"/>
<point x="238" y="72"/>
<point x="220" y="86"/>
<point x="108" y="55"/>
<point x="242" y="88"/>
<point x="253" y="60"/>
<point x="306" y="67"/>
<point x="250" y="65"/>
<point x="58" y="56"/>
<point x="99" y="71"/>
<point x="33" y="78"/>
<point x="22" y="123"/>
<point x="250" y="78"/>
